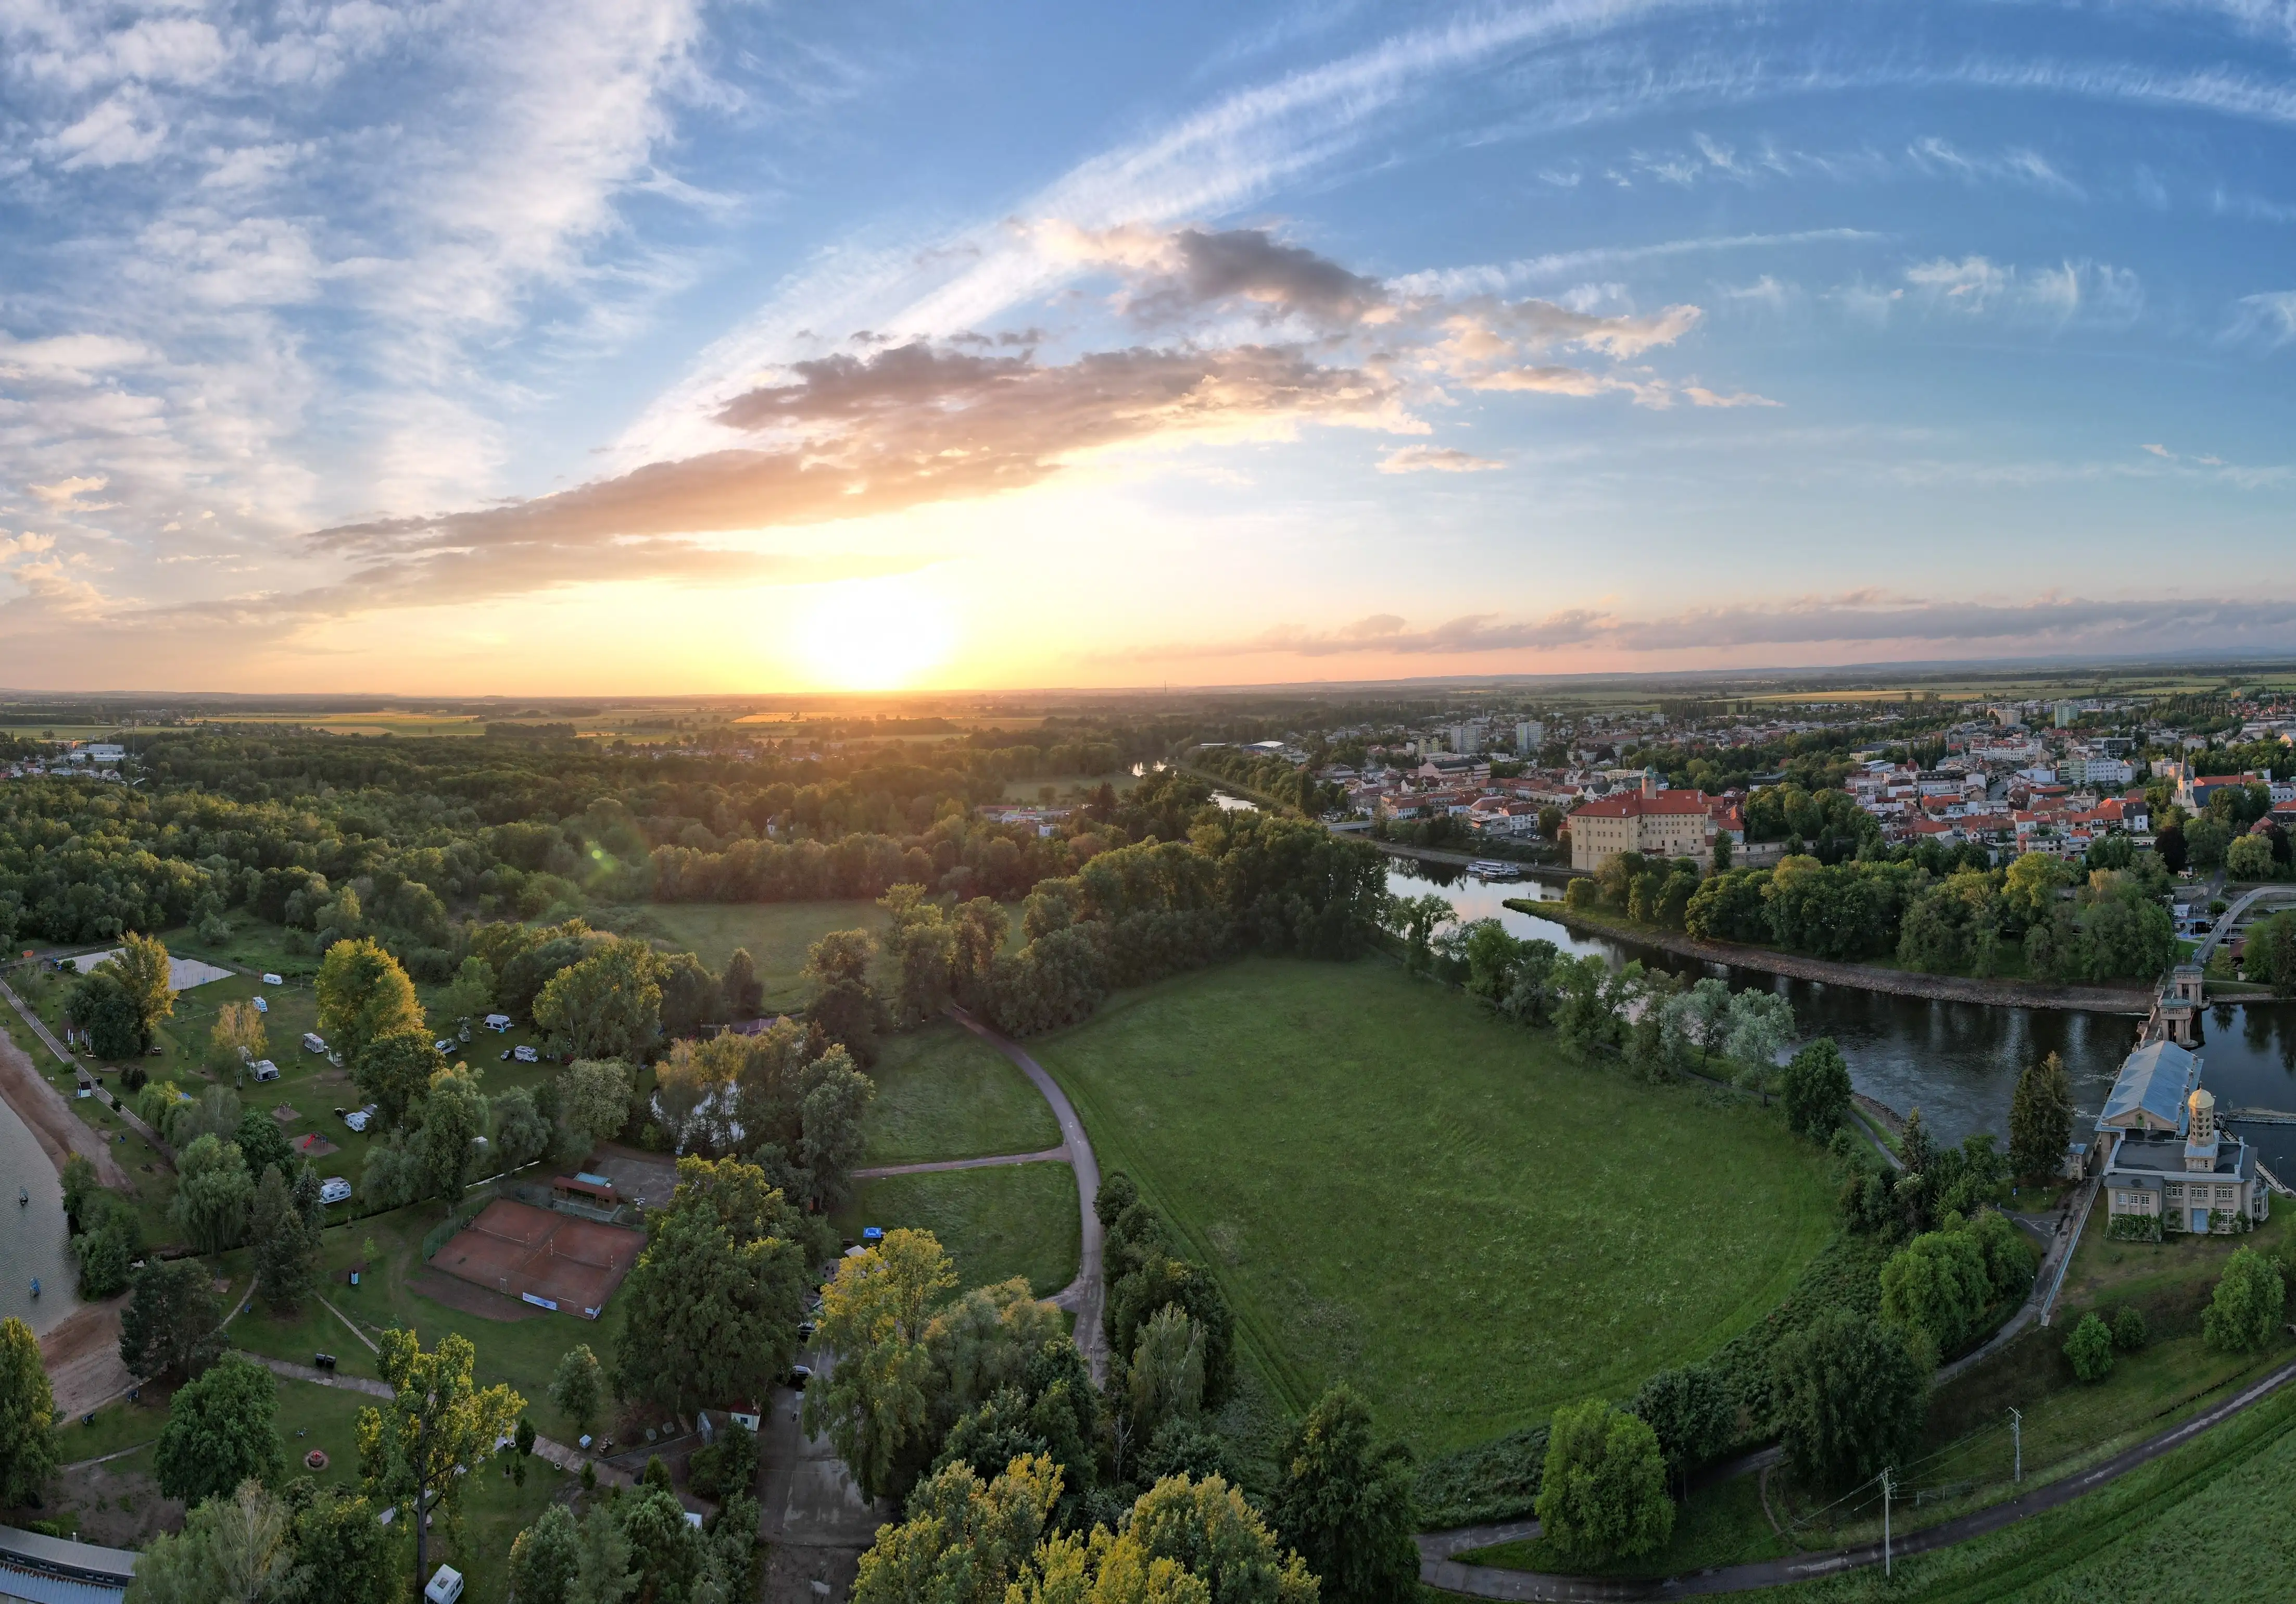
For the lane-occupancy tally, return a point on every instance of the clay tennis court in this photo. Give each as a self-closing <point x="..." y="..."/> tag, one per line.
<point x="542" y="1256"/>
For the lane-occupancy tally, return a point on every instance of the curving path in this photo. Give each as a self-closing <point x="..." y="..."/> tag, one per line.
<point x="1083" y="1297"/>
<point x="1438" y="1568"/>
<point x="2225" y="923"/>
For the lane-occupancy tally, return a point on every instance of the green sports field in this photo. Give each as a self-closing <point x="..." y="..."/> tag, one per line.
<point x="1404" y="1193"/>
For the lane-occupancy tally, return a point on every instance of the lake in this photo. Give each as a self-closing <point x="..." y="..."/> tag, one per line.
<point x="1958" y="1062"/>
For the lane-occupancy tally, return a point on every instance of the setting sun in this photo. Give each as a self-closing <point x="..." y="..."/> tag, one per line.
<point x="874" y="635"/>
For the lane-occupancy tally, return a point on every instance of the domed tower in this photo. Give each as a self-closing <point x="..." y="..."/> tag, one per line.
<point x="2200" y="1130"/>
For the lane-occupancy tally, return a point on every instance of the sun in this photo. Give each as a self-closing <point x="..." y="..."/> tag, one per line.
<point x="873" y="635"/>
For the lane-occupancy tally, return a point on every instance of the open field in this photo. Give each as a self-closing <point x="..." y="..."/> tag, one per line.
<point x="776" y="934"/>
<point x="1402" y="1192"/>
<point x="996" y="1224"/>
<point x="944" y="1093"/>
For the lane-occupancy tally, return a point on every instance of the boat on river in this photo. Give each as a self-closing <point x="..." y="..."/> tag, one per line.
<point x="1494" y="869"/>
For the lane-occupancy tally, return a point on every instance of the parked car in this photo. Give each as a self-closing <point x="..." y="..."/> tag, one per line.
<point x="799" y="1374"/>
<point x="335" y="1189"/>
<point x="445" y="1044"/>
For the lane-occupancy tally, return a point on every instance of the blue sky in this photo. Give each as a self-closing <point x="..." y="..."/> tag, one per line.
<point x="373" y="347"/>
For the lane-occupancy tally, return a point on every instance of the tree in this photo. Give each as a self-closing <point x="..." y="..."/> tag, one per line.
<point x="845" y="1004"/>
<point x="1937" y="1284"/>
<point x="1166" y="1374"/>
<point x="286" y="1249"/>
<point x="231" y="1551"/>
<point x="28" y="1452"/>
<point x="723" y="1280"/>
<point x="1760" y="1025"/>
<point x="1344" y="1505"/>
<point x="593" y="1103"/>
<point x="213" y="1190"/>
<point x="2205" y="841"/>
<point x="2040" y="1118"/>
<point x="262" y="1143"/>
<point x="237" y="1035"/>
<point x="1202" y="1530"/>
<point x="470" y="996"/>
<point x="219" y="1433"/>
<point x="364" y="995"/>
<point x="1852" y="1394"/>
<point x="2243" y="1314"/>
<point x="2090" y="1349"/>
<point x="100" y="1006"/>
<point x="395" y="1070"/>
<point x="2271" y="955"/>
<point x="966" y="1540"/>
<point x="874" y="1404"/>
<point x="2128" y="1328"/>
<point x="143" y="972"/>
<point x="578" y="1387"/>
<point x="1817" y="1089"/>
<point x="831" y="1140"/>
<point x="607" y="1006"/>
<point x="602" y="1560"/>
<point x="521" y="1135"/>
<point x="543" y="1558"/>
<point x="1603" y="1490"/>
<point x="742" y="993"/>
<point x="438" y="1423"/>
<point x="173" y="1322"/>
<point x="1691" y="1412"/>
<point x="2249" y="858"/>
<point x="343" y="1555"/>
<point x="453" y="1125"/>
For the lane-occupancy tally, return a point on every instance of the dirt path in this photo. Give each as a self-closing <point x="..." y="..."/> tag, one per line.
<point x="1083" y="1297"/>
<point x="53" y="1125"/>
<point x="1863" y="977"/>
<point x="1049" y="1155"/>
<point x="1438" y="1569"/>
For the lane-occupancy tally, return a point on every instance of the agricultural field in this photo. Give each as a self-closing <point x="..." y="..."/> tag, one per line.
<point x="1399" y="1191"/>
<point x="944" y="1093"/>
<point x="996" y="1223"/>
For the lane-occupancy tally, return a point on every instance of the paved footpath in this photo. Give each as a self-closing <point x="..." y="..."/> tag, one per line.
<point x="1082" y="1297"/>
<point x="1438" y="1568"/>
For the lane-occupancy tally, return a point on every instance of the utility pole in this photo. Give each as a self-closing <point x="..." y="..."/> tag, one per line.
<point x="2017" y="1435"/>
<point x="1885" y="1523"/>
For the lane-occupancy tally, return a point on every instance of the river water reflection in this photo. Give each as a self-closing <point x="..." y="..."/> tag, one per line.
<point x="32" y="1234"/>
<point x="1956" y="1062"/>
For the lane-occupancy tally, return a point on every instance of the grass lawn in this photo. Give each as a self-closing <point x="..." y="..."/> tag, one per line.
<point x="1402" y="1192"/>
<point x="944" y="1093"/>
<point x="996" y="1223"/>
<point x="776" y="934"/>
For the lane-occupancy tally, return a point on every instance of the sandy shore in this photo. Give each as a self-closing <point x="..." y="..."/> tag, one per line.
<point x="57" y="1129"/>
<point x="82" y="1356"/>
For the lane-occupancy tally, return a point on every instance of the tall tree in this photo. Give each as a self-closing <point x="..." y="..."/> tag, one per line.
<point x="1344" y="1505"/>
<point x="875" y="1404"/>
<point x="2040" y="1118"/>
<point x="395" y="1070"/>
<point x="364" y="994"/>
<point x="1166" y="1373"/>
<point x="578" y="1387"/>
<point x="1817" y="1089"/>
<point x="286" y="1248"/>
<point x="742" y="993"/>
<point x="343" y="1555"/>
<point x="1603" y="1493"/>
<point x="27" y="1416"/>
<point x="722" y="1282"/>
<point x="2243" y="1312"/>
<point x="593" y="1103"/>
<point x="438" y="1423"/>
<point x="471" y="996"/>
<point x="141" y="967"/>
<point x="543" y="1557"/>
<point x="173" y="1322"/>
<point x="237" y="1035"/>
<point x="608" y="1005"/>
<point x="213" y="1190"/>
<point x="1852" y="1394"/>
<point x="231" y="1551"/>
<point x="219" y="1433"/>
<point x="844" y="1003"/>
<point x="454" y="1122"/>
<point x="966" y="1540"/>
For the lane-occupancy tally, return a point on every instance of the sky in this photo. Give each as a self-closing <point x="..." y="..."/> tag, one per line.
<point x="475" y="346"/>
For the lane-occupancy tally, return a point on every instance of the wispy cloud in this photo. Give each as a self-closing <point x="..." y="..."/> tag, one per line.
<point x="1436" y="459"/>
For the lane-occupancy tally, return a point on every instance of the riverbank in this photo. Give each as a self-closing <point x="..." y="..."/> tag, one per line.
<point x="42" y="1110"/>
<point x="2134" y="1000"/>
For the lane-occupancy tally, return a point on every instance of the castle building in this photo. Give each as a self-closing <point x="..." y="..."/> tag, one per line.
<point x="1653" y="821"/>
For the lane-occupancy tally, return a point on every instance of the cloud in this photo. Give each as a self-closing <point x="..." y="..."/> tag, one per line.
<point x="1178" y="273"/>
<point x="1976" y="285"/>
<point x="2270" y="317"/>
<point x="1483" y="329"/>
<point x="1700" y="396"/>
<point x="1856" y="622"/>
<point x="1435" y="459"/>
<point x="849" y="437"/>
<point x="64" y="495"/>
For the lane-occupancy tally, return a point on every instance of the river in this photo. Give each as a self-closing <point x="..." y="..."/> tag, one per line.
<point x="1958" y="1062"/>
<point x="32" y="1235"/>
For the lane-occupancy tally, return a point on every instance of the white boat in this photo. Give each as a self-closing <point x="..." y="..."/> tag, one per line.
<point x="1492" y="868"/>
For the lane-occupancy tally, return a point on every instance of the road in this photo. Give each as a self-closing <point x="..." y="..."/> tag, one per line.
<point x="1437" y="1567"/>
<point x="2224" y="927"/>
<point x="1084" y="1296"/>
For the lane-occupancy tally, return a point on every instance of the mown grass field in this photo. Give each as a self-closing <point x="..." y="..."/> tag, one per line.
<point x="776" y="935"/>
<point x="996" y="1223"/>
<point x="1402" y="1192"/>
<point x="944" y="1093"/>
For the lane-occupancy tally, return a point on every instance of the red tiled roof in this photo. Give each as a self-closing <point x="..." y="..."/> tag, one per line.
<point x="1634" y="805"/>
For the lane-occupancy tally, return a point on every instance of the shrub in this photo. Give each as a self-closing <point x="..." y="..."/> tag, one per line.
<point x="1604" y="1491"/>
<point x="2246" y="1309"/>
<point x="2134" y="1228"/>
<point x="2129" y="1331"/>
<point x="726" y="1466"/>
<point x="2090" y="1349"/>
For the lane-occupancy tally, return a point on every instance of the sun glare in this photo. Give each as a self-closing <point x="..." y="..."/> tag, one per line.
<point x="873" y="636"/>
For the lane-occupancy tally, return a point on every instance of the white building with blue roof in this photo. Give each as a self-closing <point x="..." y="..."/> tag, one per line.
<point x="2166" y="1157"/>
